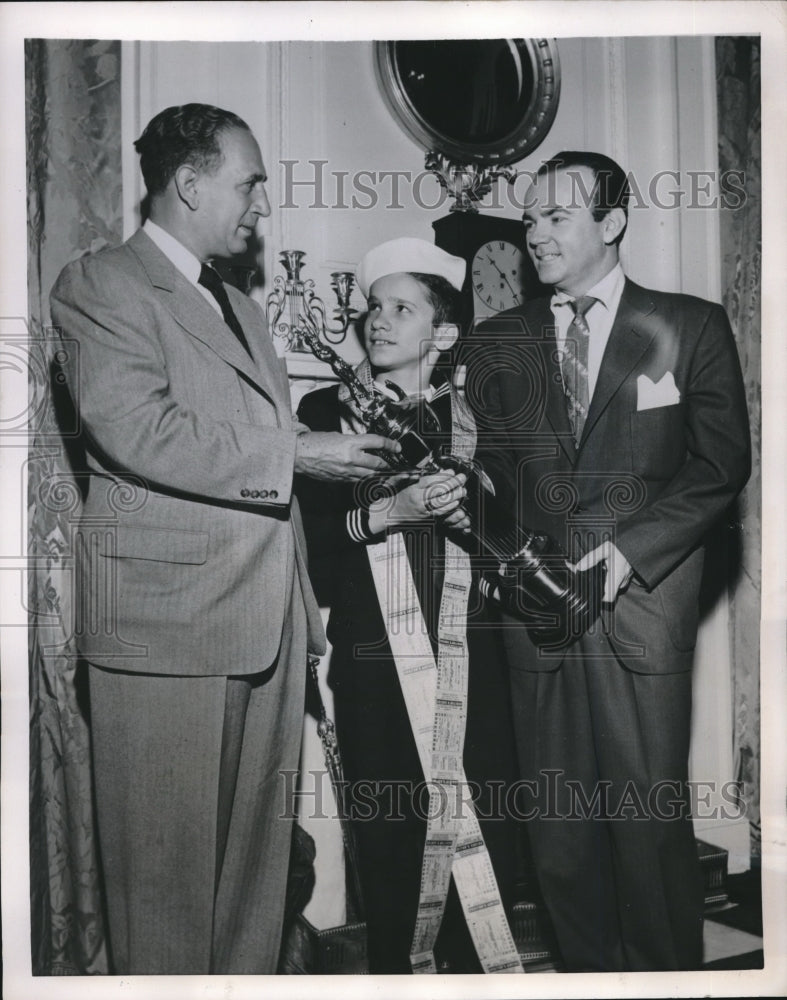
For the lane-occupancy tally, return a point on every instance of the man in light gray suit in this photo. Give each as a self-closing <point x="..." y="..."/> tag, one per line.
<point x="196" y="612"/>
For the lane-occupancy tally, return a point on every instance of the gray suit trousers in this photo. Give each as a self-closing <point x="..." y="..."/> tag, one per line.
<point x="192" y="820"/>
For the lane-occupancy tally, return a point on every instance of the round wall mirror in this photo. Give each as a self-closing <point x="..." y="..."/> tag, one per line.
<point x="482" y="101"/>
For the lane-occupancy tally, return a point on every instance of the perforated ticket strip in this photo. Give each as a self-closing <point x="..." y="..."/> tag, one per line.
<point x="435" y="695"/>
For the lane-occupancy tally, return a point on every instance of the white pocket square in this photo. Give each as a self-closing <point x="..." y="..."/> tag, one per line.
<point x="651" y="394"/>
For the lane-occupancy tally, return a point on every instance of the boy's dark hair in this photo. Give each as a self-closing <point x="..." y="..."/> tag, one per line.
<point x="446" y="302"/>
<point x="443" y="296"/>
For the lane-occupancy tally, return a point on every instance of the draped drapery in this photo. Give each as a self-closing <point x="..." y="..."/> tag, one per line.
<point x="74" y="184"/>
<point x="738" y="99"/>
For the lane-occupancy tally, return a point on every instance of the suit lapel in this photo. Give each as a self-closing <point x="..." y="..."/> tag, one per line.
<point x="541" y="324"/>
<point x="628" y="341"/>
<point x="191" y="311"/>
<point x="264" y="353"/>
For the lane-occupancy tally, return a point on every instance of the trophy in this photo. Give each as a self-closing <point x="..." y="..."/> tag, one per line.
<point x="533" y="580"/>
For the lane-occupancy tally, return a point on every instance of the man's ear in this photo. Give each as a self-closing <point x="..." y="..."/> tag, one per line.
<point x="185" y="179"/>
<point x="614" y="223"/>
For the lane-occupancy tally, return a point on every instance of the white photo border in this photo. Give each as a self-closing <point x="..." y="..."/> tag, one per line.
<point x="251" y="21"/>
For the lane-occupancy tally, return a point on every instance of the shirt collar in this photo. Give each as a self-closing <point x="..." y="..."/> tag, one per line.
<point x="607" y="291"/>
<point x="383" y="389"/>
<point x="183" y="259"/>
<point x="439" y="385"/>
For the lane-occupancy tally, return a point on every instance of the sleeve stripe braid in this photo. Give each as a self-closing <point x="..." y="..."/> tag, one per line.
<point x="358" y="524"/>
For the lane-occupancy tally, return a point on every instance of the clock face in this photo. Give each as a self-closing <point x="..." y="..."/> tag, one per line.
<point x="497" y="277"/>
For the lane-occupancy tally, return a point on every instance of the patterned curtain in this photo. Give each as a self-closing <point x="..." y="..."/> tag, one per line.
<point x="738" y="93"/>
<point x="74" y="207"/>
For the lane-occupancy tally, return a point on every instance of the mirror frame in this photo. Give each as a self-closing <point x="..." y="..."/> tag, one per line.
<point x="529" y="133"/>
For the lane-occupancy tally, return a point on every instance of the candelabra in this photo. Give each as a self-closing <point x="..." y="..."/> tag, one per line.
<point x="294" y="301"/>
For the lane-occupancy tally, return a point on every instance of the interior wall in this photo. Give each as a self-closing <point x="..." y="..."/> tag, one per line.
<point x="344" y="175"/>
<point x="334" y="153"/>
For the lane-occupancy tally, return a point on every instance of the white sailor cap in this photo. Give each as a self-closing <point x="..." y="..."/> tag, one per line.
<point x="409" y="254"/>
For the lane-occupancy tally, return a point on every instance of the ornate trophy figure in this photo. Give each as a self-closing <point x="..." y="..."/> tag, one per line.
<point x="532" y="578"/>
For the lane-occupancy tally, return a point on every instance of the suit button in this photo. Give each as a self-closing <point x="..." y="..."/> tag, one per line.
<point x="273" y="494"/>
<point x="255" y="494"/>
<point x="244" y="493"/>
<point x="263" y="494"/>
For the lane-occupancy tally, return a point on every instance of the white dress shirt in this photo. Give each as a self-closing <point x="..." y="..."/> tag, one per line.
<point x="183" y="259"/>
<point x="599" y="318"/>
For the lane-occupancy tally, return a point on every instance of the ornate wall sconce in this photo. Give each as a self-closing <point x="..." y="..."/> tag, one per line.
<point x="466" y="183"/>
<point x="293" y="303"/>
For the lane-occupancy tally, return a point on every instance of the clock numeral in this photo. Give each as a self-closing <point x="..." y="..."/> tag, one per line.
<point x="496" y="266"/>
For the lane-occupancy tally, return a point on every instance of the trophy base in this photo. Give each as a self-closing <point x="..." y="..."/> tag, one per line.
<point x="565" y="620"/>
<point x="556" y="604"/>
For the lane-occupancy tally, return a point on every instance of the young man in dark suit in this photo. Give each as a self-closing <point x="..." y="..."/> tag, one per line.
<point x="612" y="417"/>
<point x="196" y="608"/>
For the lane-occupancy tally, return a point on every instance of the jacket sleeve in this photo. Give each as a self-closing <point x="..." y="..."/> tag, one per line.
<point x="716" y="466"/>
<point x="332" y="512"/>
<point x="129" y="413"/>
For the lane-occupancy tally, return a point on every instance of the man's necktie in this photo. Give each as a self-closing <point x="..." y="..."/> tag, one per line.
<point x="574" y="365"/>
<point x="209" y="278"/>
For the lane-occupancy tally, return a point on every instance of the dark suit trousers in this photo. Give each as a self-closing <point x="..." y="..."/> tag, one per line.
<point x="378" y="746"/>
<point x="623" y="884"/>
<point x="190" y="799"/>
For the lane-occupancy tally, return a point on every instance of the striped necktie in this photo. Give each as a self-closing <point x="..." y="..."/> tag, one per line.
<point x="574" y="365"/>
